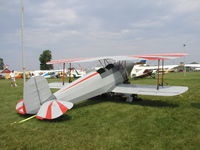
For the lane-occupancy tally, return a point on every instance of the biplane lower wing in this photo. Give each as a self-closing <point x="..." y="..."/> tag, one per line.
<point x="149" y="90"/>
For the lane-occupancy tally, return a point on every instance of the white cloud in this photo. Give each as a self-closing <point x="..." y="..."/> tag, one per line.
<point x="44" y="37"/>
<point x="129" y="31"/>
<point x="52" y="15"/>
<point x="148" y="24"/>
<point x="91" y="28"/>
<point x="185" y="6"/>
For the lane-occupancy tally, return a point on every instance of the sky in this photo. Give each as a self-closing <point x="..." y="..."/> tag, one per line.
<point x="88" y="28"/>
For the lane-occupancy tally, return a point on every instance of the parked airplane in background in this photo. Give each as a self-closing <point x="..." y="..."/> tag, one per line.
<point x="112" y="77"/>
<point x="56" y="73"/>
<point x="195" y="67"/>
<point x="75" y="73"/>
<point x="141" y="71"/>
<point x="45" y="73"/>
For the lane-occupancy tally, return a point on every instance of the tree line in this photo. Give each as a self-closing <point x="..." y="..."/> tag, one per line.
<point x="45" y="57"/>
<point x="1" y="64"/>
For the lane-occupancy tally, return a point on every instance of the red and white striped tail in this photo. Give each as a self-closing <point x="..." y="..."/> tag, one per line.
<point x="53" y="109"/>
<point x="20" y="107"/>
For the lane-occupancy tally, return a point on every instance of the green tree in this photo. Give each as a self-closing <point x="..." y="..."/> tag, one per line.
<point x="1" y="64"/>
<point x="194" y="62"/>
<point x="44" y="58"/>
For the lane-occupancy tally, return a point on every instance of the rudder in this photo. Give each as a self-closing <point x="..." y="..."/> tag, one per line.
<point x="36" y="92"/>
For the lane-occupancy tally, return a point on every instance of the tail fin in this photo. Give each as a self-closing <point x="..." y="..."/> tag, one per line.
<point x="36" y="92"/>
<point x="142" y="62"/>
<point x="39" y="100"/>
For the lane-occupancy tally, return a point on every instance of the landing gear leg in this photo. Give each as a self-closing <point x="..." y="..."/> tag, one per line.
<point x="129" y="99"/>
<point x="133" y="97"/>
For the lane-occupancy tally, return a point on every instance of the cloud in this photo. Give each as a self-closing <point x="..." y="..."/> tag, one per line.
<point x="75" y="28"/>
<point x="51" y="14"/>
<point x="184" y="6"/>
<point x="45" y="37"/>
<point x="148" y="23"/>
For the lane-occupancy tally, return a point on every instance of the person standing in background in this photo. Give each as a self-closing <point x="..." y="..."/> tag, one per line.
<point x="12" y="78"/>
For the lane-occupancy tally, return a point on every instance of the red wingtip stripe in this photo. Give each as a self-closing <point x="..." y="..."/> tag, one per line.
<point x="20" y="100"/>
<point x="163" y="55"/>
<point x="24" y="108"/>
<point x="151" y="58"/>
<point x="21" y="112"/>
<point x="49" y="111"/>
<point x="38" y="117"/>
<point x="19" y="108"/>
<point x="62" y="107"/>
<point x="65" y="60"/>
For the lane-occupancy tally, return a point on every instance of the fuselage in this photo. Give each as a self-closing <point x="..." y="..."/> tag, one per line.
<point x="93" y="84"/>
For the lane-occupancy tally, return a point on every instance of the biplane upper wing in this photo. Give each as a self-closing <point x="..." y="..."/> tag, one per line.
<point x="120" y="58"/>
<point x="149" y="90"/>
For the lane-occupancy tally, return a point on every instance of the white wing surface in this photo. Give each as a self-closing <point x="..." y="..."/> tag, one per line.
<point x="149" y="90"/>
<point x="120" y="58"/>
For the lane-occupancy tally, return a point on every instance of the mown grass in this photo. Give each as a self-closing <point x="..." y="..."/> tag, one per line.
<point x="109" y="122"/>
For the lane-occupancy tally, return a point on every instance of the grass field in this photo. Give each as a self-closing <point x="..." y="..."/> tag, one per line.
<point x="155" y="123"/>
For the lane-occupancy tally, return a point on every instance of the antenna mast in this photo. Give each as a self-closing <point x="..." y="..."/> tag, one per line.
<point x="22" y="39"/>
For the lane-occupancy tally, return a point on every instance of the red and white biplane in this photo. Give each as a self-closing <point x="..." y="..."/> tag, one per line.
<point x="112" y="77"/>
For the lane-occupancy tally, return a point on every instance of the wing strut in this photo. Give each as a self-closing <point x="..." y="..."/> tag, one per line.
<point x="100" y="63"/>
<point x="158" y="74"/>
<point x="70" y="72"/>
<point x="162" y="79"/>
<point x="63" y="77"/>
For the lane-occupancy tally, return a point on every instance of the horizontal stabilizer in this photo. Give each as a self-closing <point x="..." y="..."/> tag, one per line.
<point x="53" y="109"/>
<point x="150" y="90"/>
<point x="57" y="85"/>
<point x="20" y="107"/>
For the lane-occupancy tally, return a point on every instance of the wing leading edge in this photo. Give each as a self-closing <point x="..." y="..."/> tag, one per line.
<point x="120" y="58"/>
<point x="149" y="90"/>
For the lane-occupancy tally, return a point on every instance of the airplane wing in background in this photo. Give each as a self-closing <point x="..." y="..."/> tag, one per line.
<point x="149" y="90"/>
<point x="120" y="58"/>
<point x="57" y="85"/>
